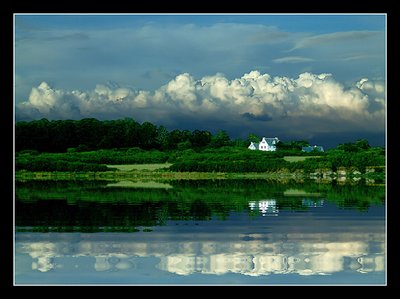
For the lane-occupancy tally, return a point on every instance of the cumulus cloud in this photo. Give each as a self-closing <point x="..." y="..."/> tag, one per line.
<point x="310" y="102"/>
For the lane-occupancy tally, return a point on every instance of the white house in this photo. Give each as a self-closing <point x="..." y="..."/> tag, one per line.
<point x="266" y="144"/>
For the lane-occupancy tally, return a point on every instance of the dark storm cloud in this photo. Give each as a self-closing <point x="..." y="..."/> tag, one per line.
<point x="261" y="117"/>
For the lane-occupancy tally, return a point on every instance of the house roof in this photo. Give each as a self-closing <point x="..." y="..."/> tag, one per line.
<point x="270" y="141"/>
<point x="255" y="144"/>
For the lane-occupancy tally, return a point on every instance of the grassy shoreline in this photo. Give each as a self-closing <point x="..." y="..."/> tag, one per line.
<point x="157" y="175"/>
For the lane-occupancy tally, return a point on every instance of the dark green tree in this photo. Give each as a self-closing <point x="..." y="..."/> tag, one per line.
<point x="200" y="139"/>
<point x="362" y="144"/>
<point x="162" y="138"/>
<point x="88" y="132"/>
<point x="63" y="135"/>
<point x="220" y="139"/>
<point x="253" y="138"/>
<point x="148" y="136"/>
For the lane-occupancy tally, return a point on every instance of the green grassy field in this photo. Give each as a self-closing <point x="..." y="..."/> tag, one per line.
<point x="148" y="167"/>
<point x="297" y="158"/>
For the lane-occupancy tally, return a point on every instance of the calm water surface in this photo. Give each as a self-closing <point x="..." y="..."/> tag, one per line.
<point x="199" y="232"/>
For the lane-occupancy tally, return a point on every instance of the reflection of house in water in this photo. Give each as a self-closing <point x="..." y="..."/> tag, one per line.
<point x="312" y="203"/>
<point x="267" y="207"/>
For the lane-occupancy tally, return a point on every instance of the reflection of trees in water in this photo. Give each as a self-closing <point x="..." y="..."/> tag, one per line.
<point x="91" y="206"/>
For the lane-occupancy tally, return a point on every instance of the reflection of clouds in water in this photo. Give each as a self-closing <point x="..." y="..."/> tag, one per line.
<point x="255" y="257"/>
<point x="43" y="252"/>
<point x="265" y="264"/>
<point x="112" y="262"/>
<point x="43" y="264"/>
<point x="371" y="263"/>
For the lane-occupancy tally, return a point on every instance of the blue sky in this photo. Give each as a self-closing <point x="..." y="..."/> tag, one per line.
<point x="294" y="76"/>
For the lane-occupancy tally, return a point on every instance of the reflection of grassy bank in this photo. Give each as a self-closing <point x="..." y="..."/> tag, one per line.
<point x="297" y="192"/>
<point x="139" y="184"/>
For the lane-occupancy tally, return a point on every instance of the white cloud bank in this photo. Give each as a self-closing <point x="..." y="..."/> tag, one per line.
<point x="309" y="102"/>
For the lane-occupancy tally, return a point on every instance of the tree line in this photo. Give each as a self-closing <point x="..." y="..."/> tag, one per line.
<point x="92" y="134"/>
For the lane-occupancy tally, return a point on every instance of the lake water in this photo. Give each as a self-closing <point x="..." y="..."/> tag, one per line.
<point x="224" y="232"/>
